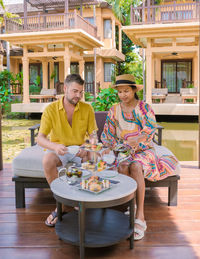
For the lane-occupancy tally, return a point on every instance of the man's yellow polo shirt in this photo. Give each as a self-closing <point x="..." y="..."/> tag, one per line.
<point x="54" y="122"/>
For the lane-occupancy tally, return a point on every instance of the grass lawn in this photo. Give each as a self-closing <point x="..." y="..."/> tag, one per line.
<point x="15" y="137"/>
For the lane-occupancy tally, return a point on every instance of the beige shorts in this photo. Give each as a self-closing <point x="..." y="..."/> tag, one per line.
<point x="66" y="158"/>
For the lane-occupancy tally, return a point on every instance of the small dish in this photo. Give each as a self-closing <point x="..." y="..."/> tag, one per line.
<point x="107" y="174"/>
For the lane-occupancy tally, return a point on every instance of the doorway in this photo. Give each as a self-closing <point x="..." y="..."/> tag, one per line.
<point x="89" y="77"/>
<point x="174" y="72"/>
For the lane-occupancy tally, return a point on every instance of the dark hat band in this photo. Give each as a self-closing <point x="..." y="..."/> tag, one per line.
<point x="120" y="82"/>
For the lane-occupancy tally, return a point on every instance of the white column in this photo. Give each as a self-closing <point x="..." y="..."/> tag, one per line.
<point x="198" y="75"/>
<point x="82" y="68"/>
<point x="26" y="98"/>
<point x="66" y="61"/>
<point x="44" y="74"/>
<point x="113" y="34"/>
<point x="120" y="38"/>
<point x="148" y="76"/>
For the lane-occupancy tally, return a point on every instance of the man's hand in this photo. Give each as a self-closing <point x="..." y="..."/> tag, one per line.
<point x="82" y="153"/>
<point x="60" y="149"/>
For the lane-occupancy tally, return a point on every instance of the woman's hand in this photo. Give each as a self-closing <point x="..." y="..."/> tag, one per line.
<point x="132" y="141"/>
<point x="105" y="151"/>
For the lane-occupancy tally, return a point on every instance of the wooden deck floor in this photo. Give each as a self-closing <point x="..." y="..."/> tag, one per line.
<point x="173" y="232"/>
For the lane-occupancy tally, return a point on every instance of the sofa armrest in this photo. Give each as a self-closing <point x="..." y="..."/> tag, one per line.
<point x="157" y="138"/>
<point x="34" y="132"/>
<point x="158" y="135"/>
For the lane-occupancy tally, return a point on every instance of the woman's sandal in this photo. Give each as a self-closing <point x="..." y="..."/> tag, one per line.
<point x="139" y="232"/>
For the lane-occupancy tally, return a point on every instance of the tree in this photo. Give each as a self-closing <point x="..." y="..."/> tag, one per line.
<point x="133" y="61"/>
<point x="5" y="14"/>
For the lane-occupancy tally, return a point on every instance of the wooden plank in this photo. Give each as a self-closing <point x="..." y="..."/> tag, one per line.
<point x="172" y="232"/>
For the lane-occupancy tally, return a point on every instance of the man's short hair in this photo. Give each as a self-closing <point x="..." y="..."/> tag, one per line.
<point x="74" y="78"/>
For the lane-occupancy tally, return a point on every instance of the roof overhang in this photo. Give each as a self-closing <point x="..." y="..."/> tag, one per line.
<point x="76" y="37"/>
<point x="51" y="4"/>
<point x="140" y="33"/>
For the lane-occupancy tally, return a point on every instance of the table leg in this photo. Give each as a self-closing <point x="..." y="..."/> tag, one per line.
<point x="132" y="208"/>
<point x="82" y="229"/>
<point x="59" y="210"/>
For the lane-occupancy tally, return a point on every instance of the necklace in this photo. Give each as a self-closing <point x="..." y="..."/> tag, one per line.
<point x="128" y="108"/>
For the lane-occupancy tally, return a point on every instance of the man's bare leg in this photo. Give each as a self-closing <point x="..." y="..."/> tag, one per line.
<point x="50" y="163"/>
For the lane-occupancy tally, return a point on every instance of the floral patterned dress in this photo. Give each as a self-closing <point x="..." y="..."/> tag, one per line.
<point x="119" y="126"/>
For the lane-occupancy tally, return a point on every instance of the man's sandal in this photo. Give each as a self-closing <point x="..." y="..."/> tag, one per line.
<point x="54" y="216"/>
<point x="139" y="233"/>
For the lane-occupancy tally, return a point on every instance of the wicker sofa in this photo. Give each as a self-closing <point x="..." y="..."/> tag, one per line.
<point x="28" y="172"/>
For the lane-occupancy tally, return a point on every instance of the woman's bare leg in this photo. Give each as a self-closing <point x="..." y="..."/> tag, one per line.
<point x="137" y="174"/>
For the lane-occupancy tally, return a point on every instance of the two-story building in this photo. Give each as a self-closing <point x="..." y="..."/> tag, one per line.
<point x="53" y="38"/>
<point x="169" y="33"/>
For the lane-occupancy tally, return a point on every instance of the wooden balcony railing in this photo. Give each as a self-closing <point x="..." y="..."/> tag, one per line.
<point x="46" y="22"/>
<point x="165" y="13"/>
<point x="89" y="87"/>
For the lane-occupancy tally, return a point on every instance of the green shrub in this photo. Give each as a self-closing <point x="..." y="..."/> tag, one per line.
<point x="190" y="86"/>
<point x="35" y="88"/>
<point x="89" y="97"/>
<point x="140" y="94"/>
<point x="13" y="115"/>
<point x="6" y="78"/>
<point x="105" y="99"/>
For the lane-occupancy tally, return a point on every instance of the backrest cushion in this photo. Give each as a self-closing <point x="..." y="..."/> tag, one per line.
<point x="48" y="91"/>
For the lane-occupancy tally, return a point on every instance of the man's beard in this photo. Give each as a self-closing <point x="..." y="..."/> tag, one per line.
<point x="72" y="101"/>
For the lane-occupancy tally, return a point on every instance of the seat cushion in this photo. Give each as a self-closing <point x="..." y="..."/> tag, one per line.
<point x="163" y="151"/>
<point x="29" y="162"/>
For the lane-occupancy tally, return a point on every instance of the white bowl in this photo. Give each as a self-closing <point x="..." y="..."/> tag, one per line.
<point x="108" y="158"/>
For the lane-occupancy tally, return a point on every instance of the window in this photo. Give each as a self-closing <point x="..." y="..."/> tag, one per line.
<point x="90" y="20"/>
<point x="107" y="29"/>
<point x="109" y="72"/>
<point x="74" y="68"/>
<point x="35" y="73"/>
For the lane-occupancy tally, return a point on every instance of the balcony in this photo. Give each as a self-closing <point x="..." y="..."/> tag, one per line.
<point x="167" y="13"/>
<point x="49" y="22"/>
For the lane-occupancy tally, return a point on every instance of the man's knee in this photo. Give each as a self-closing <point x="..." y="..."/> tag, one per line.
<point x="50" y="160"/>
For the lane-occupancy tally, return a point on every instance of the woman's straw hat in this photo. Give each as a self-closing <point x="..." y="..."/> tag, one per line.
<point x="127" y="79"/>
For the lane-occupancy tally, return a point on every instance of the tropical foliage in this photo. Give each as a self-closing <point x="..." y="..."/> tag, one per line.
<point x="105" y="99"/>
<point x="6" y="78"/>
<point x="6" y="14"/>
<point x="133" y="61"/>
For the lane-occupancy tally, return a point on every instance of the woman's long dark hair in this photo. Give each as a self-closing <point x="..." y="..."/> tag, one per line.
<point x="134" y="87"/>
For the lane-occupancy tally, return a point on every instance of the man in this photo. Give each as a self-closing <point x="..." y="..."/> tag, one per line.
<point x="68" y="121"/>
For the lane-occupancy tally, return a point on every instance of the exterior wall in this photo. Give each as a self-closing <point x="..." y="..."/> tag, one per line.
<point x="109" y="44"/>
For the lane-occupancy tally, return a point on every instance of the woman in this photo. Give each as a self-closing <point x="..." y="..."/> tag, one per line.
<point x="133" y="122"/>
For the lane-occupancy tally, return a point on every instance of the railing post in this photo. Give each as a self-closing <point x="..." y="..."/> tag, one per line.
<point x="75" y="19"/>
<point x="148" y="10"/>
<point x="131" y="14"/>
<point x="143" y="11"/>
<point x="39" y="21"/>
<point x="174" y="10"/>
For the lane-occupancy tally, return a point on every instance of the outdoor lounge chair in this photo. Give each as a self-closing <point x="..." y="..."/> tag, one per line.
<point x="159" y="94"/>
<point x="188" y="93"/>
<point x="46" y="95"/>
<point x="28" y="171"/>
